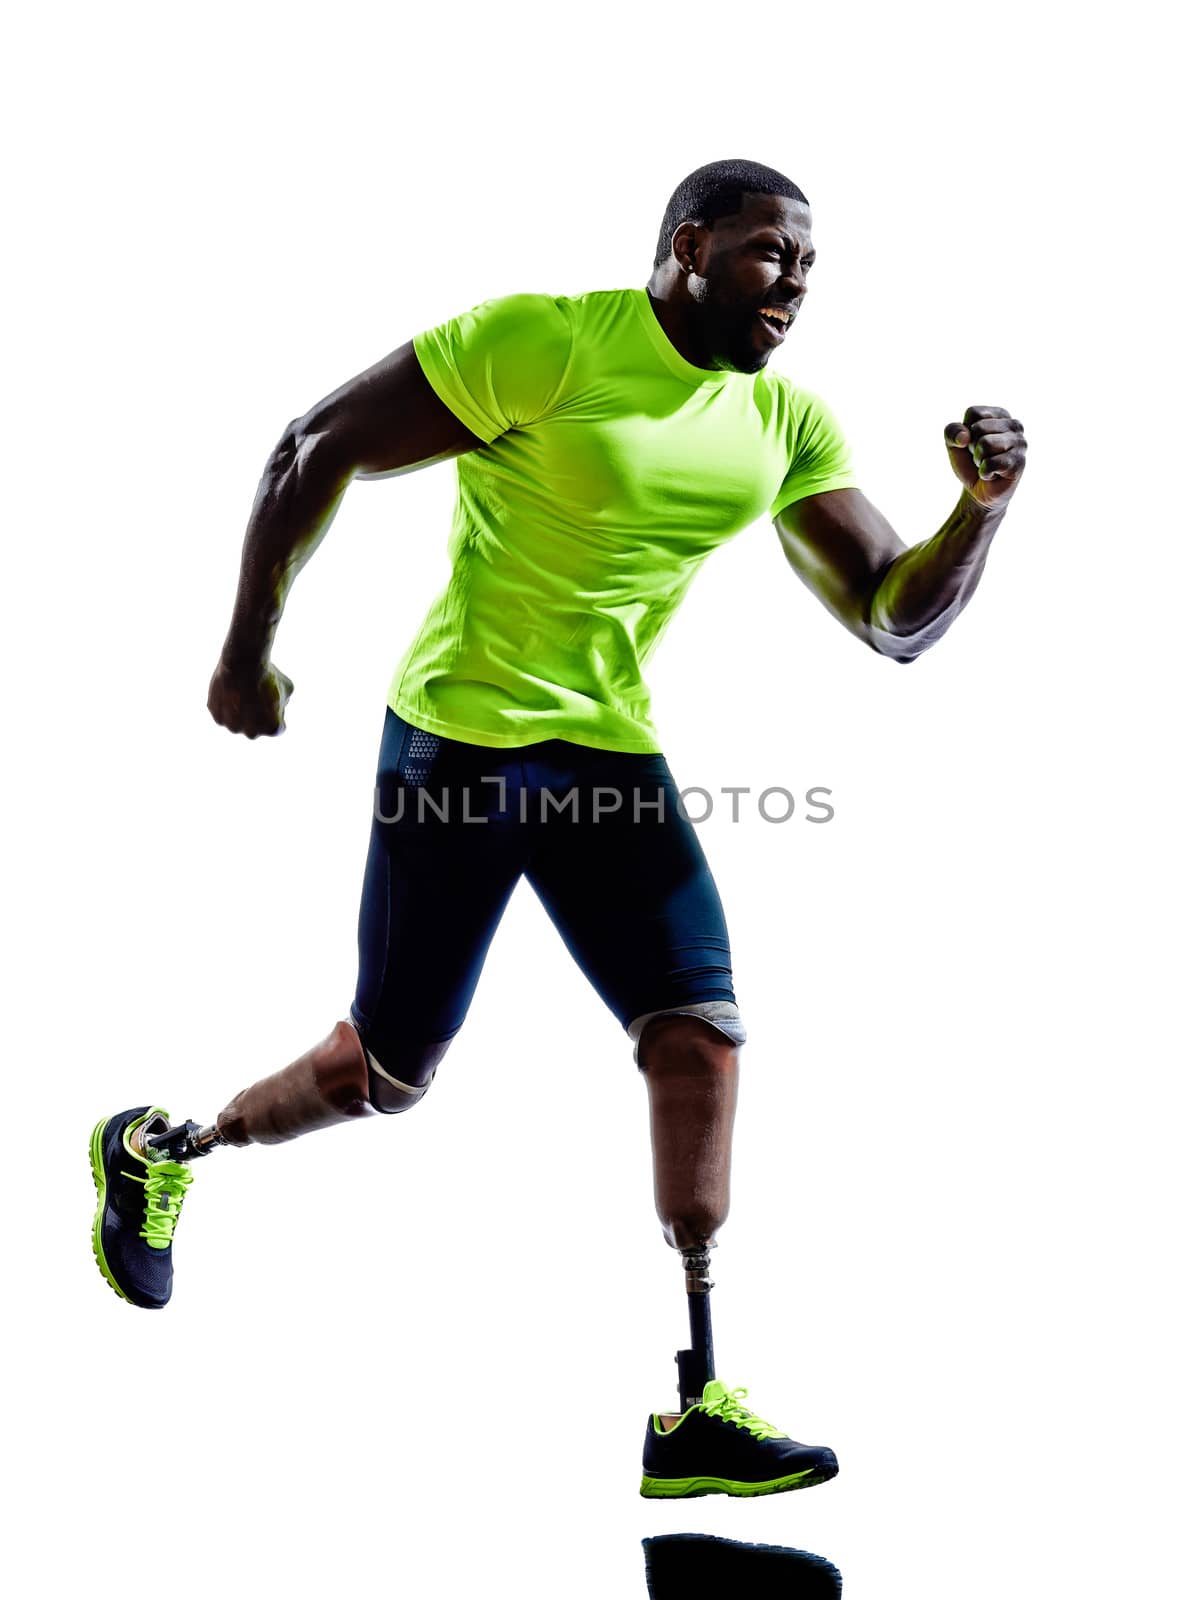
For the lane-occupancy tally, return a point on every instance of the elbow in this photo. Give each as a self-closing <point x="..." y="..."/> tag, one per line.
<point x="873" y="631"/>
<point x="901" y="658"/>
<point x="294" y="450"/>
<point x="285" y="452"/>
<point x="908" y="647"/>
<point x="883" y="637"/>
<point x="309" y="451"/>
<point x="900" y="648"/>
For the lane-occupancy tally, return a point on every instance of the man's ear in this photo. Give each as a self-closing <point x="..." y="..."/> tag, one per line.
<point x="684" y="245"/>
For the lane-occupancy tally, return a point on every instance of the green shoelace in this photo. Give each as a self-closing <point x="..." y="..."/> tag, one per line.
<point x="728" y="1408"/>
<point x="165" y="1184"/>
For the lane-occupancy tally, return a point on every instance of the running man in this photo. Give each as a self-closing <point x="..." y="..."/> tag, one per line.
<point x="606" y="443"/>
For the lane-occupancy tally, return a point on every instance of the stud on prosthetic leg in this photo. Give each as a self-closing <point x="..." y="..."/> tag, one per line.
<point x="691" y="1074"/>
<point x="325" y="1086"/>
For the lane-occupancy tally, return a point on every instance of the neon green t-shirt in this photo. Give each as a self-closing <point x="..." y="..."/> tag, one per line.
<point x="610" y="469"/>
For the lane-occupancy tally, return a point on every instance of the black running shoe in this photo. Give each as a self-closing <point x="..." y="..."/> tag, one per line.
<point x="682" y="1566"/>
<point x="720" y="1447"/>
<point x="137" y="1206"/>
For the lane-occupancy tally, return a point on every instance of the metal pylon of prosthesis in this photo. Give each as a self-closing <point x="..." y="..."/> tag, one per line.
<point x="185" y="1141"/>
<point x="697" y="1365"/>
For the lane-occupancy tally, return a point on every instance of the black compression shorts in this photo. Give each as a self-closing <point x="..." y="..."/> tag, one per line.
<point x="601" y="838"/>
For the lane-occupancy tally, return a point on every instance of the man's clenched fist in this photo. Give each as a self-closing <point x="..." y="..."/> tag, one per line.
<point x="986" y="450"/>
<point x="249" y="700"/>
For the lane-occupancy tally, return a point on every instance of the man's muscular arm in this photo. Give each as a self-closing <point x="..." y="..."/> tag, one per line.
<point x="899" y="600"/>
<point x="385" y="421"/>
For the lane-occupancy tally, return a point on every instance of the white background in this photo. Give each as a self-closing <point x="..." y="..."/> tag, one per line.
<point x="416" y="1356"/>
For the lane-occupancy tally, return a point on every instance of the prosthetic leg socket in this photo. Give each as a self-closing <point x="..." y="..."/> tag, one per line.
<point x="326" y="1085"/>
<point x="691" y="1076"/>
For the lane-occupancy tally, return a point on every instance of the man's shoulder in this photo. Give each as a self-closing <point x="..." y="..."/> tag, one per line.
<point x="600" y="322"/>
<point x="801" y="403"/>
<point x="543" y="304"/>
<point x="601" y="299"/>
<point x="523" y="327"/>
<point x="548" y="319"/>
<point x="793" y="393"/>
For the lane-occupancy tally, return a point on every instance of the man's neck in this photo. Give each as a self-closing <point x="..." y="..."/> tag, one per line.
<point x="672" y="307"/>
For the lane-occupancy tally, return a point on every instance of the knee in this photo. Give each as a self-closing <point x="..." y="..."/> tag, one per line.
<point x="398" y="1076"/>
<point x="691" y="1038"/>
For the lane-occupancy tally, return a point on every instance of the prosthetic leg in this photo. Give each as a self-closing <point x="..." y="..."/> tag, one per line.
<point x="690" y="1067"/>
<point x="334" y="1081"/>
<point x="689" y="1059"/>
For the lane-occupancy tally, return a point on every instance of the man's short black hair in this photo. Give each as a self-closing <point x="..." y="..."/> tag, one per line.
<point x="717" y="191"/>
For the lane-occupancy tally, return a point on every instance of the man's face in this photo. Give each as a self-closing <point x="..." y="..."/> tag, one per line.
<point x="750" y="279"/>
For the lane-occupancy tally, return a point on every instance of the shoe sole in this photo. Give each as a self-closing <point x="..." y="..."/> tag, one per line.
<point x="690" y="1488"/>
<point x="98" y="1178"/>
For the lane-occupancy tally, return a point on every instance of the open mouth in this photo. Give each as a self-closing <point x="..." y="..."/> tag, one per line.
<point x="776" y="321"/>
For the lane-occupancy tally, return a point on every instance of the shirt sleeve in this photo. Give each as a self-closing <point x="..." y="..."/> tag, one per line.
<point x="821" y="460"/>
<point x="500" y="365"/>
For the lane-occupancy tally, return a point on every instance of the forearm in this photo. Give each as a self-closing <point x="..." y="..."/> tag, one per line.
<point x="296" y="501"/>
<point x="923" y="589"/>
